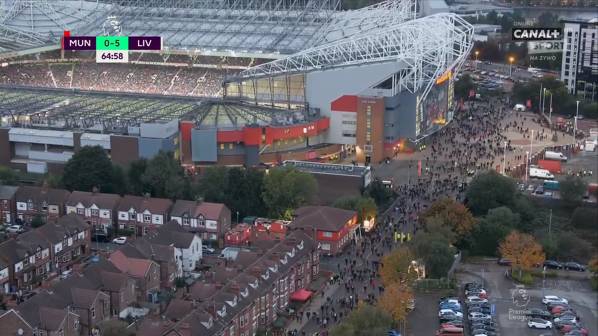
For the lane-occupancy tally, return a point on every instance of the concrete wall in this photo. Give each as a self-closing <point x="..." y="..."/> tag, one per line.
<point x="203" y="145"/>
<point x="340" y="124"/>
<point x="399" y="116"/>
<point x="323" y="87"/>
<point x="149" y="147"/>
<point x="125" y="149"/>
<point x="5" y="150"/>
<point x="161" y="131"/>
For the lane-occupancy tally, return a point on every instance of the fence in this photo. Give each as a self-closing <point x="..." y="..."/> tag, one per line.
<point x="444" y="283"/>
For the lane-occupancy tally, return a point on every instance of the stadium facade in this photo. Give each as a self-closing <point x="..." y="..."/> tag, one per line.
<point x="366" y="81"/>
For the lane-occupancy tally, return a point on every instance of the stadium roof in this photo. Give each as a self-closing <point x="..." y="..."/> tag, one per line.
<point x="60" y="109"/>
<point x="236" y="26"/>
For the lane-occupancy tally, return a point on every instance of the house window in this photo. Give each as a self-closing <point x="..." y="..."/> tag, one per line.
<point x="29" y="205"/>
<point x="95" y="212"/>
<point x="93" y="312"/>
<point x="185" y="220"/>
<point x="147" y="218"/>
<point x="80" y="211"/>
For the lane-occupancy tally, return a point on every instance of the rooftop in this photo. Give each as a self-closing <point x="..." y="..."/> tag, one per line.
<point x="328" y="168"/>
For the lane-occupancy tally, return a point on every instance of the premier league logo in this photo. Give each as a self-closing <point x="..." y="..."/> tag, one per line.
<point x="520" y="296"/>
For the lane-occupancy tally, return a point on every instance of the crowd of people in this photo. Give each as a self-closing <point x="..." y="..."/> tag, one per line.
<point x="474" y="141"/>
<point x="147" y="73"/>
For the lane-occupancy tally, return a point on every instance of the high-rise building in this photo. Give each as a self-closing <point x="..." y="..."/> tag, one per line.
<point x="579" y="70"/>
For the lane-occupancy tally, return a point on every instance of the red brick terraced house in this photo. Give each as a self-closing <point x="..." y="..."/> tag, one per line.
<point x="7" y="204"/>
<point x="142" y="214"/>
<point x="46" y="202"/>
<point x="96" y="209"/>
<point x="210" y="220"/>
<point x="70" y="239"/>
<point x="145" y="272"/>
<point x="332" y="228"/>
<point x="237" y="298"/>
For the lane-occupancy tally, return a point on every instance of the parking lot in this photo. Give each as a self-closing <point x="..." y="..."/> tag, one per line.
<point x="513" y="302"/>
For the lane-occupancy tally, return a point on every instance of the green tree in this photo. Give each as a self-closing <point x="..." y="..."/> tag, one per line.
<point x="8" y="176"/>
<point x="164" y="177"/>
<point x="37" y="221"/>
<point x="490" y="190"/>
<point x="134" y="176"/>
<point x="492" y="229"/>
<point x="54" y="181"/>
<point x="88" y="168"/>
<point x="572" y="189"/>
<point x="381" y="194"/>
<point x="365" y="206"/>
<point x="571" y="247"/>
<point x="433" y="246"/>
<point x="244" y="192"/>
<point x="119" y="180"/>
<point x="366" y="320"/>
<point x="213" y="184"/>
<point x="286" y="189"/>
<point x="527" y="213"/>
<point x="585" y="218"/>
<point x="589" y="110"/>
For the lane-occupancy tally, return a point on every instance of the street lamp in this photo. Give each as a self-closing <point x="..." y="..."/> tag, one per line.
<point x="477" y="52"/>
<point x="543" y="102"/>
<point x="526" y="163"/>
<point x="511" y="60"/>
<point x="575" y="121"/>
<point x="504" y="158"/>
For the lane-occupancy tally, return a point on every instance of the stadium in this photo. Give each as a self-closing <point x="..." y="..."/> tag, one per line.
<point x="237" y="82"/>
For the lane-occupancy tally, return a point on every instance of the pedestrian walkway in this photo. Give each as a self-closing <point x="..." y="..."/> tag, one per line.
<point x="313" y="306"/>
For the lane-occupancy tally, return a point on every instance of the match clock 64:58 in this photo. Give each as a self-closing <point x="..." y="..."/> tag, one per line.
<point x="108" y="56"/>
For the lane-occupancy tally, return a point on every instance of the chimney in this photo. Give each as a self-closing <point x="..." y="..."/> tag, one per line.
<point x="95" y="190"/>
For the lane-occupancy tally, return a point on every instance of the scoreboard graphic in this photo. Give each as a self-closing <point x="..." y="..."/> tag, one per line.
<point x="112" y="49"/>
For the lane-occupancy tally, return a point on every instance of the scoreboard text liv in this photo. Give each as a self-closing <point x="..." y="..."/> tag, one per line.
<point x="112" y="49"/>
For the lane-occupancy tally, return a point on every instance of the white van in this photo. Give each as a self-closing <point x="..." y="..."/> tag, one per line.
<point x="549" y="155"/>
<point x="519" y="108"/>
<point x="540" y="173"/>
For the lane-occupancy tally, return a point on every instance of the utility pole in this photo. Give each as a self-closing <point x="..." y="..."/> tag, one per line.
<point x="575" y="121"/>
<point x="504" y="159"/>
<point x="550" y="226"/>
<point x="531" y="146"/>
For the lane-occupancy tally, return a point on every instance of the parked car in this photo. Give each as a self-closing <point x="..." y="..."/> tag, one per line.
<point x="573" y="266"/>
<point x="15" y="229"/>
<point x="576" y="331"/>
<point x="448" y="299"/>
<point x="120" y="240"/>
<point x="449" y="332"/>
<point x="504" y="262"/>
<point x="478" y="326"/>
<point x="479" y="316"/>
<point x="557" y="308"/>
<point x="488" y="323"/>
<point x="483" y="310"/>
<point x="554" y="299"/>
<point x="551" y="264"/>
<point x="539" y="313"/>
<point x="475" y="299"/>
<point x="482" y="332"/>
<point x="449" y="312"/>
<point x="561" y="324"/>
<point x="566" y="311"/>
<point x="451" y="319"/>
<point x="456" y="324"/>
<point x="539" y="323"/>
<point x="561" y="318"/>
<point x="451" y="306"/>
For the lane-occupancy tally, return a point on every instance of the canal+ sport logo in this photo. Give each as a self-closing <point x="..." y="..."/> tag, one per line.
<point x="536" y="34"/>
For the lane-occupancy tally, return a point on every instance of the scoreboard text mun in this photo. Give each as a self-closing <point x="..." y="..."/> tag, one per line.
<point x="112" y="49"/>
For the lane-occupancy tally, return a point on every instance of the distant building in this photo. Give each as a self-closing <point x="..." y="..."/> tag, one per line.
<point x="7" y="204"/>
<point x="332" y="228"/>
<point x="335" y="180"/>
<point x="429" y="7"/>
<point x="579" y="70"/>
<point x="40" y="201"/>
<point x="210" y="220"/>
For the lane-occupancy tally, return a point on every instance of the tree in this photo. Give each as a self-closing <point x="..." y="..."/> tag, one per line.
<point x="571" y="247"/>
<point x="585" y="218"/>
<point x="119" y="180"/>
<point x="490" y="230"/>
<point x="366" y="320"/>
<point x="37" y="221"/>
<point x="134" y="175"/>
<point x="381" y="194"/>
<point x="88" y="168"/>
<point x="286" y="189"/>
<point x="433" y="246"/>
<point x="572" y="189"/>
<point x="490" y="190"/>
<point x="522" y="250"/>
<point x="527" y="213"/>
<point x="8" y="176"/>
<point x="213" y="184"/>
<point x="164" y="177"/>
<point x="395" y="300"/>
<point x="593" y="268"/>
<point x="365" y="206"/>
<point x="503" y="216"/>
<point x="115" y="328"/>
<point x="453" y="214"/>
<point x="396" y="267"/>
<point x="244" y="191"/>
